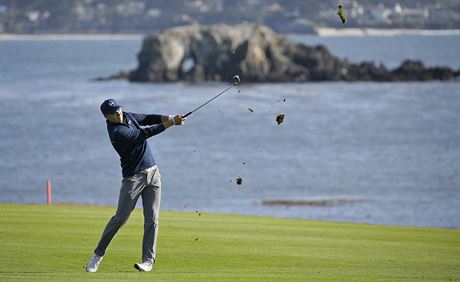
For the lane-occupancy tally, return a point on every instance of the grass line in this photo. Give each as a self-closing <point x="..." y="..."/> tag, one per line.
<point x="41" y="243"/>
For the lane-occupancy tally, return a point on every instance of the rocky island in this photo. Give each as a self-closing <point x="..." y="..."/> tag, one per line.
<point x="197" y="53"/>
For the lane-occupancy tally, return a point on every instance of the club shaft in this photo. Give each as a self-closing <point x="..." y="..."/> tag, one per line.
<point x="189" y="113"/>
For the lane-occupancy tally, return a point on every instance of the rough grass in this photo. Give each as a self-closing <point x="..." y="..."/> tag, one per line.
<point x="41" y="243"/>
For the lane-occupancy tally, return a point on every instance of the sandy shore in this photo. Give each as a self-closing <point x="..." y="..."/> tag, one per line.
<point x="326" y="31"/>
<point x="7" y="36"/>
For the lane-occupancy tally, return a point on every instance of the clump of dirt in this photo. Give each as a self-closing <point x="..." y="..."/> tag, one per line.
<point x="280" y="118"/>
<point x="239" y="180"/>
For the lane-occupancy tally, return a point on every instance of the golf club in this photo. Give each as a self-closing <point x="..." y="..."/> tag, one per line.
<point x="236" y="81"/>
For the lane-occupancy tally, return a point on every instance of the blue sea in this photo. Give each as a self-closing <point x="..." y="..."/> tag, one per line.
<point x="380" y="153"/>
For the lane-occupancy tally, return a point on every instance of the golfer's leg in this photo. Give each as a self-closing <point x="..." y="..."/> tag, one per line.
<point x="129" y="193"/>
<point x="151" y="197"/>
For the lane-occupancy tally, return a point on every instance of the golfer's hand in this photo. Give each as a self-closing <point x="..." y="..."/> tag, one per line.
<point x="179" y="120"/>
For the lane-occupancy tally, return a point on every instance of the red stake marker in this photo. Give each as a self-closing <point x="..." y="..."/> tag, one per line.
<point x="48" y="190"/>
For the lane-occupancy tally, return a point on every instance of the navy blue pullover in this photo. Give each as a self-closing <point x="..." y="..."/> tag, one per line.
<point x="130" y="141"/>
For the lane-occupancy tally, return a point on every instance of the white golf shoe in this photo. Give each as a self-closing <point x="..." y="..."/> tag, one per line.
<point x="146" y="266"/>
<point x="93" y="263"/>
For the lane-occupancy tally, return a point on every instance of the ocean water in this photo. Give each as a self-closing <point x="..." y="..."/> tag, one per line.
<point x="385" y="153"/>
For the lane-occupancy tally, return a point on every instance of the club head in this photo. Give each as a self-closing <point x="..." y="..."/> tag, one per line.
<point x="236" y="80"/>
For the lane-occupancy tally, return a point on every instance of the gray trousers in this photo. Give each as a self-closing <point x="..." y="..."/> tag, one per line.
<point x="148" y="185"/>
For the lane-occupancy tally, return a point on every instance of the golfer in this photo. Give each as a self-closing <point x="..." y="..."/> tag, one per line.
<point x="141" y="177"/>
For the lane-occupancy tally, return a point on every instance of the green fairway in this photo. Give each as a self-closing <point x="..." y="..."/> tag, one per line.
<point x="54" y="243"/>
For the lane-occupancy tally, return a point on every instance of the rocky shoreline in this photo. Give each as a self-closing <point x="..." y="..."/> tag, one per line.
<point x="197" y="53"/>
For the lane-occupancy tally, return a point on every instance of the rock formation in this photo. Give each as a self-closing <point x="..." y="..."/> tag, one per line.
<point x="197" y="53"/>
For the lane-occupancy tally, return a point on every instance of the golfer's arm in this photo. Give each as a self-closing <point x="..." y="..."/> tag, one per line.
<point x="144" y="119"/>
<point x="135" y="136"/>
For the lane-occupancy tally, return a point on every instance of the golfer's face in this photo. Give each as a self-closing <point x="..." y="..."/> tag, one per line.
<point x="118" y="115"/>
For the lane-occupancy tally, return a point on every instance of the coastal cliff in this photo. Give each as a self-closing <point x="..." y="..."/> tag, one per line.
<point x="197" y="53"/>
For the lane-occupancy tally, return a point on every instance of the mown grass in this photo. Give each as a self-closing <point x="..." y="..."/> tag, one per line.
<point x="41" y="243"/>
